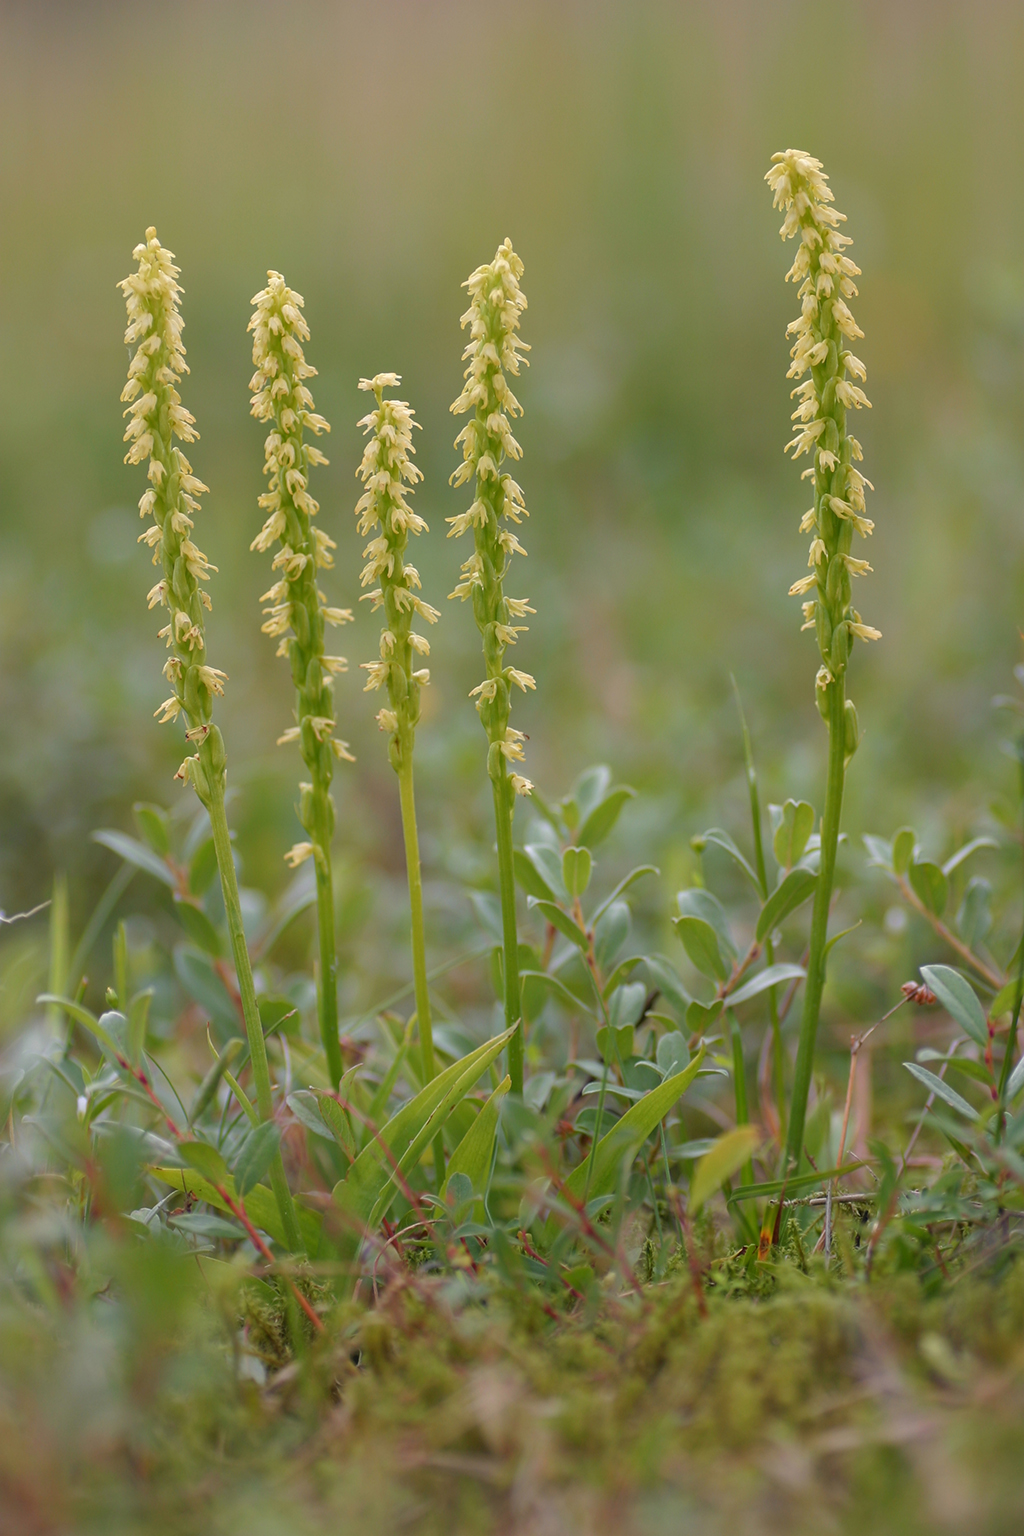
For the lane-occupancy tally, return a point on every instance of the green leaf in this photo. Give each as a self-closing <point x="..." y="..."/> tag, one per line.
<point x="966" y="851"/>
<point x="138" y="1023"/>
<point x="843" y="934"/>
<point x="577" y="864"/>
<point x="590" y="789"/>
<point x="673" y="1053"/>
<point x="623" y="885"/>
<point x="959" y="999"/>
<point x="798" y="885"/>
<point x="559" y="988"/>
<point x="696" y="902"/>
<point x="701" y="1016"/>
<point x="205" y="1159"/>
<point x="336" y="1117"/>
<point x="472" y="1157"/>
<point x="529" y="878"/>
<point x="196" y="973"/>
<point x="547" y="863"/>
<point x="615" y="1047"/>
<point x="197" y="925"/>
<point x="203" y="868"/>
<point x="1005" y="1000"/>
<point x="791" y="1185"/>
<point x="769" y="977"/>
<point x="700" y="941"/>
<point x="621" y="973"/>
<point x="603" y="818"/>
<point x="152" y="823"/>
<point x="974" y="919"/>
<point x="610" y="933"/>
<point x="903" y="845"/>
<point x="665" y="977"/>
<point x="879" y="851"/>
<point x="728" y="1154"/>
<point x="792" y="833"/>
<point x="82" y="1016"/>
<point x="134" y="852"/>
<point x="260" y="1205"/>
<point x="305" y="1106"/>
<point x="627" y="1004"/>
<point x="930" y="886"/>
<point x="722" y="840"/>
<point x="255" y="1156"/>
<point x="1016" y="1081"/>
<point x="621" y="1144"/>
<point x="371" y="1184"/>
<point x="560" y="920"/>
<point x="942" y="1090"/>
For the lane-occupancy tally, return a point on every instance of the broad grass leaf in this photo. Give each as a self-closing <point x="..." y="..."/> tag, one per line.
<point x="725" y="1158"/>
<point x="959" y="999"/>
<point x="930" y="886"/>
<point x="472" y="1157"/>
<point x="798" y="885"/>
<point x="622" y="1143"/>
<point x="942" y="1090"/>
<point x="371" y="1184"/>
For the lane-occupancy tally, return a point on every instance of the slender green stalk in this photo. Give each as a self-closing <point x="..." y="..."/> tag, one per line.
<point x="503" y="800"/>
<point x="761" y="870"/>
<point x="822" y="331"/>
<point x="406" y="794"/>
<point x="815" y="982"/>
<point x="389" y="475"/>
<point x="494" y="353"/>
<point x="253" y="1024"/>
<point x="157" y="416"/>
<point x="297" y="614"/>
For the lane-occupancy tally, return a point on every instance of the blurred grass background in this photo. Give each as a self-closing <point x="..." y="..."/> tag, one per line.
<point x="375" y="154"/>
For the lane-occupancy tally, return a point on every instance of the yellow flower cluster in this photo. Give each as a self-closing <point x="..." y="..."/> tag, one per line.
<point x="388" y="475"/>
<point x="494" y="353"/>
<point x="823" y="332"/>
<point x="156" y="417"/>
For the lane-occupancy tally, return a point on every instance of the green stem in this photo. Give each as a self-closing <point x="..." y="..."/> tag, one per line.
<point x="407" y="799"/>
<point x="778" y="1052"/>
<point x="819" y="920"/>
<point x="507" y="882"/>
<point x="253" y="1023"/>
<point x="327" y="995"/>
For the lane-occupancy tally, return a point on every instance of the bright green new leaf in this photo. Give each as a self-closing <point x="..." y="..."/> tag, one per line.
<point x="472" y="1157"/>
<point x="727" y="1155"/>
<point x="603" y="818"/>
<point x="700" y="941"/>
<point x="903" y="845"/>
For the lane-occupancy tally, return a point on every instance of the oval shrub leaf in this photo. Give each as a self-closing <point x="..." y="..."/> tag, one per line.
<point x="794" y="890"/>
<point x="603" y="818"/>
<point x="257" y="1152"/>
<point x="930" y="886"/>
<point x="942" y="1090"/>
<point x="769" y="977"/>
<point x="792" y="833"/>
<point x="959" y="999"/>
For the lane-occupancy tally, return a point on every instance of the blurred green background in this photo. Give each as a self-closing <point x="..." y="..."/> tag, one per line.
<point x="375" y="154"/>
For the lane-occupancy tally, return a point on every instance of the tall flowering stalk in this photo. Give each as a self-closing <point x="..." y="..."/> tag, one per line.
<point x="389" y="475"/>
<point x="494" y="353"/>
<point x="156" y="417"/>
<point x="823" y="332"/>
<point x="298" y="614"/>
